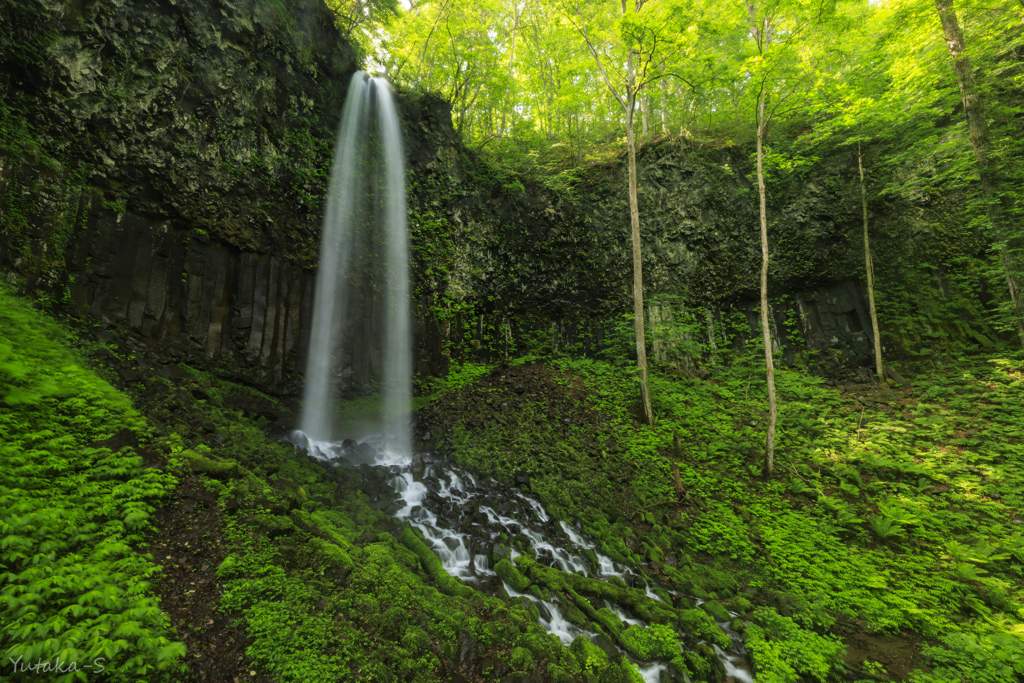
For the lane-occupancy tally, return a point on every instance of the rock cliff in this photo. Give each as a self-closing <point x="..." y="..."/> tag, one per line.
<point x="163" y="166"/>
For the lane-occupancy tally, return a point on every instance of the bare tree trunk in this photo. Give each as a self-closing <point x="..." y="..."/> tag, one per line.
<point x="645" y="116"/>
<point x="869" y="267"/>
<point x="638" y="276"/>
<point x="627" y="104"/>
<point x="664" y="113"/>
<point x="977" y="132"/>
<point x="773" y="408"/>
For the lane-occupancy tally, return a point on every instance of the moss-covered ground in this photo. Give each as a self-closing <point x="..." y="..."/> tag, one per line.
<point x="887" y="543"/>
<point x="179" y="540"/>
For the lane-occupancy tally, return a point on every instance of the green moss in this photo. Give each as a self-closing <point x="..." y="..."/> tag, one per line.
<point x="521" y="660"/>
<point x="716" y="610"/>
<point x="432" y="564"/>
<point x="507" y="571"/>
<point x="699" y="623"/>
<point x="415" y="639"/>
<point x="654" y="642"/>
<point x="333" y="555"/>
<point x="609" y="620"/>
<point x="200" y="464"/>
<point x="591" y="658"/>
<point x="622" y="671"/>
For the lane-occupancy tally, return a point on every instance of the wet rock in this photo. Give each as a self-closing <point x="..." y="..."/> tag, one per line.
<point x="174" y="373"/>
<point x="607" y="646"/>
<point x="498" y="667"/>
<point x="467" y="648"/>
<point x="363" y="453"/>
<point x="127" y="375"/>
<point x="155" y="389"/>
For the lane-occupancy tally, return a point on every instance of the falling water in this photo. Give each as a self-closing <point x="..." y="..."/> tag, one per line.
<point x="363" y="242"/>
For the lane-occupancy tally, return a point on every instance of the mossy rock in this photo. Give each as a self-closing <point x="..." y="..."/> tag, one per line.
<point x="228" y="469"/>
<point x="739" y="603"/>
<point x="392" y="623"/>
<point x="543" y="645"/>
<point x="415" y="639"/>
<point x="432" y="565"/>
<point x="590" y="657"/>
<point x="512" y="576"/>
<point x="716" y="610"/>
<point x="698" y="623"/>
<point x="540" y="593"/>
<point x="699" y="668"/>
<point x="557" y="674"/>
<point x="609" y="620"/>
<point x="679" y="669"/>
<point x="655" y="612"/>
<point x="654" y="642"/>
<point x="522" y="659"/>
<point x="621" y="672"/>
<point x="276" y="526"/>
<point x="716" y="672"/>
<point x="229" y="568"/>
<point x="526" y="607"/>
<point x="574" y="614"/>
<point x="653" y="553"/>
<point x="333" y="555"/>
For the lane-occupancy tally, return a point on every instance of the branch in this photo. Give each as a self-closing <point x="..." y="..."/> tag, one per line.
<point x="582" y="28"/>
<point x="423" y="55"/>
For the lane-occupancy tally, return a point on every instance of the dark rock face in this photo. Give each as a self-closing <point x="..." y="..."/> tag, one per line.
<point x="163" y="166"/>
<point x="217" y="115"/>
<point x="248" y="310"/>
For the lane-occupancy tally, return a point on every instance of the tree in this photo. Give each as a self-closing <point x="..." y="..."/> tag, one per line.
<point x="870" y="270"/>
<point x="647" y="46"/>
<point x="977" y="133"/>
<point x="780" y="71"/>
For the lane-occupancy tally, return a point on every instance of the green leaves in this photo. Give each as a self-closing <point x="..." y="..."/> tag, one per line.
<point x="71" y="584"/>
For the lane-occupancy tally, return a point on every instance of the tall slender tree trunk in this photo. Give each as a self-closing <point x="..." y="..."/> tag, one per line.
<point x="638" y="275"/>
<point x="977" y="132"/>
<point x="663" y="109"/>
<point x="769" y="361"/>
<point x="869" y="267"/>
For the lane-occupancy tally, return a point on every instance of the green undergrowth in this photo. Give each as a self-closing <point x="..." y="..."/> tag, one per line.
<point x="74" y="506"/>
<point x="327" y="583"/>
<point x="890" y="511"/>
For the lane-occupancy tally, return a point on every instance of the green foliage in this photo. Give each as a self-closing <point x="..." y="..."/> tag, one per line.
<point x="72" y="584"/>
<point x="652" y="642"/>
<point x="783" y="652"/>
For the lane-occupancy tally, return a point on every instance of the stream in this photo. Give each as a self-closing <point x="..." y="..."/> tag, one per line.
<point x="462" y="518"/>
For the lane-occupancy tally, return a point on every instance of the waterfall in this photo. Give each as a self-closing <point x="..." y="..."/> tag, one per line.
<point x="363" y="252"/>
<point x="363" y="255"/>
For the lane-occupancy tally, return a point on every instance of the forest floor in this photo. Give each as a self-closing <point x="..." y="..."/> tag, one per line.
<point x="162" y="526"/>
